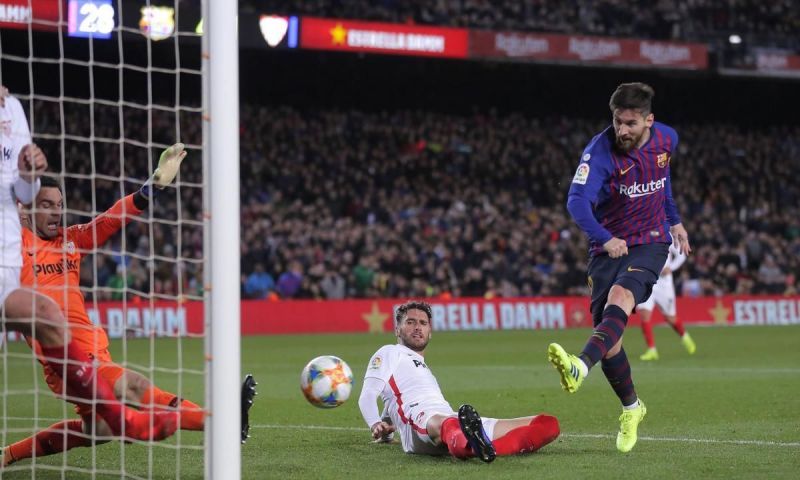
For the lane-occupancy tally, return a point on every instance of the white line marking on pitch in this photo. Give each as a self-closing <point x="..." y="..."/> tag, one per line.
<point x="761" y="443"/>
<point x="765" y="443"/>
<point x="654" y="368"/>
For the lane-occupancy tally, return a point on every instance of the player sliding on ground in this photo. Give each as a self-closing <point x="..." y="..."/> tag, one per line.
<point x="37" y="316"/>
<point x="414" y="405"/>
<point x="52" y="257"/>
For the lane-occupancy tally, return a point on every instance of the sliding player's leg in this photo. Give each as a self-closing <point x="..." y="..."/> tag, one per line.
<point x="57" y="438"/>
<point x="39" y="318"/>
<point x="135" y="389"/>
<point x="525" y="434"/>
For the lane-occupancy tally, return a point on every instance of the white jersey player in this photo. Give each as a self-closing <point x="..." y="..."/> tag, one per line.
<point x="14" y="137"/>
<point x="415" y="408"/>
<point x="20" y="165"/>
<point x="663" y="295"/>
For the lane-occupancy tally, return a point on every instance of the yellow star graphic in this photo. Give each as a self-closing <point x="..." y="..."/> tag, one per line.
<point x="720" y="313"/>
<point x="375" y="319"/>
<point x="338" y="34"/>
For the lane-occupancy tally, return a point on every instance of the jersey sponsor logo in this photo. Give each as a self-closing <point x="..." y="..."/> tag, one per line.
<point x="582" y="174"/>
<point x="417" y="363"/>
<point x="6" y="154"/>
<point x="623" y="171"/>
<point x="58" y="268"/>
<point x="662" y="160"/>
<point x="637" y="189"/>
<point x="376" y="363"/>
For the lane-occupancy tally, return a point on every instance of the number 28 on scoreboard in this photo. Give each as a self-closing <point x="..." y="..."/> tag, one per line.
<point x="90" y="18"/>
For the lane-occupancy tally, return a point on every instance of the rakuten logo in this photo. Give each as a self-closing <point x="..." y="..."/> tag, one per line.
<point x="642" y="189"/>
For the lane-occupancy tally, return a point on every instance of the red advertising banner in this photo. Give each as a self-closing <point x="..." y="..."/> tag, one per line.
<point x="777" y="61"/>
<point x="18" y="14"/>
<point x="570" y="48"/>
<point x="390" y="38"/>
<point x="172" y="319"/>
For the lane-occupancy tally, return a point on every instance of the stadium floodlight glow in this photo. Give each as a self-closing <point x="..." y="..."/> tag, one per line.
<point x="735" y="39"/>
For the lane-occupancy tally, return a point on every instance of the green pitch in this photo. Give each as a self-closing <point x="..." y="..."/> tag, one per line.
<point x="730" y="411"/>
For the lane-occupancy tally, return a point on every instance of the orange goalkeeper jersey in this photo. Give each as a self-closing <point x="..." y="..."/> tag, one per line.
<point x="53" y="268"/>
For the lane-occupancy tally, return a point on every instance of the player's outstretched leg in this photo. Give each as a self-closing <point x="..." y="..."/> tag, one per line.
<point x="628" y="426"/>
<point x="58" y="438"/>
<point x="82" y="383"/>
<point x="568" y="366"/>
<point x="248" y="394"/>
<point x="472" y="427"/>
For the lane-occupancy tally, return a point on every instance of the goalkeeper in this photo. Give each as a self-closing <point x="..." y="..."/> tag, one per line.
<point x="51" y="265"/>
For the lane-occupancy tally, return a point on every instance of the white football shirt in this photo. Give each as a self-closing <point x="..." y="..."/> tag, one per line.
<point x="14" y="134"/>
<point x="410" y="384"/>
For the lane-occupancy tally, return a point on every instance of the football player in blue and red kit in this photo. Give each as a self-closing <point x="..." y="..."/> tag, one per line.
<point x="621" y="197"/>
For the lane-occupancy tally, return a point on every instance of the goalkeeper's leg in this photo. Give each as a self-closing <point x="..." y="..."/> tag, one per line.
<point x="59" y="437"/>
<point x="134" y="388"/>
<point x="39" y="318"/>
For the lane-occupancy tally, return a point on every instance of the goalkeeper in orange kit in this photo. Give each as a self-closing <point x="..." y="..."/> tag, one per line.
<point x="51" y="265"/>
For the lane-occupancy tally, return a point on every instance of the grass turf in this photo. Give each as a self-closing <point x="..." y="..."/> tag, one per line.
<point x="729" y="411"/>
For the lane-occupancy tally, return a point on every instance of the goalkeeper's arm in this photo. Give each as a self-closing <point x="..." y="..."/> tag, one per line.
<point x="101" y="228"/>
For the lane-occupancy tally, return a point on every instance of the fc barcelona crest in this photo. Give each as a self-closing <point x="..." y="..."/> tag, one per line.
<point x="662" y="159"/>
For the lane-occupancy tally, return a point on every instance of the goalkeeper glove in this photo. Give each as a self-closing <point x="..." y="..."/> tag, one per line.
<point x="168" y="165"/>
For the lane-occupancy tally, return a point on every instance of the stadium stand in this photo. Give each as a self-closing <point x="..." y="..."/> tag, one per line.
<point x="346" y="203"/>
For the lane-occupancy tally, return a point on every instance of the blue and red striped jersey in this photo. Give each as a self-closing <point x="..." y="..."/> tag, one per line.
<point x="625" y="195"/>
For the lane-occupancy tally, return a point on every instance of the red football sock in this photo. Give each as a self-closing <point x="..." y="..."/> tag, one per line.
<point x="542" y="430"/>
<point x="678" y="327"/>
<point x="647" y="329"/>
<point x="78" y="382"/>
<point x="454" y="438"/>
<point x="192" y="415"/>
<point x="49" y="442"/>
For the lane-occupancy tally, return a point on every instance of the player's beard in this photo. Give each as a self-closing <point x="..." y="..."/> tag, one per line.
<point x="628" y="143"/>
<point x="415" y="344"/>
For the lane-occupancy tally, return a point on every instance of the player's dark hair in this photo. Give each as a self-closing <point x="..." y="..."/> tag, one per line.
<point x="633" y="96"/>
<point x="402" y="310"/>
<point x="48" y="181"/>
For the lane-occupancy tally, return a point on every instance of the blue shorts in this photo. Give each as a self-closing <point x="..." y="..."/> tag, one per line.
<point x="637" y="271"/>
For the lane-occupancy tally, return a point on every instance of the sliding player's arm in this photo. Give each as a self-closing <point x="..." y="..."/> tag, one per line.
<point x="89" y="235"/>
<point x="380" y="368"/>
<point x="368" y="404"/>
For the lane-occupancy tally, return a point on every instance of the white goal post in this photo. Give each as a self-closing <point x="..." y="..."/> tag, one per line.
<point x="221" y="161"/>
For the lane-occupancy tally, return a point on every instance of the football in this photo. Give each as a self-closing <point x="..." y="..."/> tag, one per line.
<point x="326" y="381"/>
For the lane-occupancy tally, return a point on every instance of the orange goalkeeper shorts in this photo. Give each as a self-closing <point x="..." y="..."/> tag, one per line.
<point x="106" y="369"/>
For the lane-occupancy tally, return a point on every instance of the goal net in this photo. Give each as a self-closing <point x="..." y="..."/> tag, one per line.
<point x="106" y="87"/>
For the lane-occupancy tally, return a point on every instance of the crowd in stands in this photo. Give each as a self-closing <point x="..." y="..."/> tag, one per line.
<point x="347" y="203"/>
<point x="764" y="22"/>
<point x="339" y="204"/>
